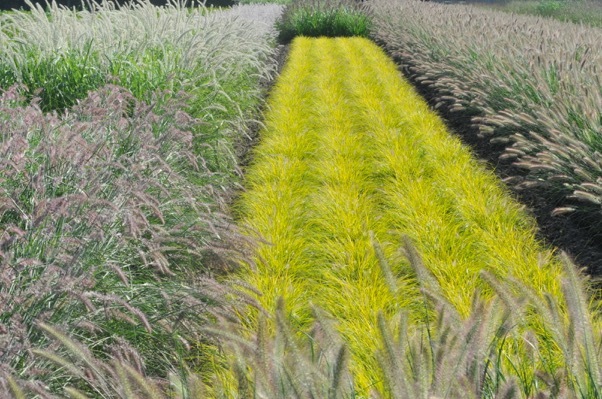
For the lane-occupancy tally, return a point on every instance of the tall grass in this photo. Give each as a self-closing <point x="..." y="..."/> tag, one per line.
<point x="102" y="225"/>
<point x="113" y="211"/>
<point x="350" y="149"/>
<point x="531" y="86"/>
<point x="450" y="357"/>
<point x="217" y="58"/>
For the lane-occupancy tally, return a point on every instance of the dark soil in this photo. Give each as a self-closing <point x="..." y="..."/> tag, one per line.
<point x="570" y="233"/>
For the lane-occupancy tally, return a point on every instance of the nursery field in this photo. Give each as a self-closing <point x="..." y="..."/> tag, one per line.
<point x="170" y="228"/>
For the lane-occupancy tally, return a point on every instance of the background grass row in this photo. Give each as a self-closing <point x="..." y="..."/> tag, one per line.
<point x="577" y="11"/>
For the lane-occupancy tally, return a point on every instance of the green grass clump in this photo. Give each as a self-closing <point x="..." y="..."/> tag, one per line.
<point x="316" y="18"/>
<point x="57" y="82"/>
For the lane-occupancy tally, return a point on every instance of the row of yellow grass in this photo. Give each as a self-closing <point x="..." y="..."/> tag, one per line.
<point x="351" y="156"/>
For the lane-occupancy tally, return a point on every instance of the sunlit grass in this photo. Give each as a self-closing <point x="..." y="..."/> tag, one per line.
<point x="351" y="156"/>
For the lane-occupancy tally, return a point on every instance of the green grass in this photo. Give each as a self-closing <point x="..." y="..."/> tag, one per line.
<point x="318" y="18"/>
<point x="351" y="157"/>
<point x="57" y="82"/>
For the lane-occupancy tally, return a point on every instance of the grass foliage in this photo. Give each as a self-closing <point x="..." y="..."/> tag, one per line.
<point x="102" y="222"/>
<point x="352" y="158"/>
<point x="578" y="11"/>
<point x="531" y="85"/>
<point x="316" y="18"/>
<point x="217" y="58"/>
<point x="113" y="211"/>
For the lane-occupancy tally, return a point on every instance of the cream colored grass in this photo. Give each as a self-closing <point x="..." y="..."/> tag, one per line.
<point x="350" y="154"/>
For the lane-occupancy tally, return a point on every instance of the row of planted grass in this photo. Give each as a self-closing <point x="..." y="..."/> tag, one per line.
<point x="113" y="209"/>
<point x="531" y="86"/>
<point x="350" y="161"/>
<point x="58" y="55"/>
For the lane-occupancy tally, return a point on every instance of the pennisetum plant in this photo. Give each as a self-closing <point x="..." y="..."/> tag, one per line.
<point x="113" y="210"/>
<point x="102" y="228"/>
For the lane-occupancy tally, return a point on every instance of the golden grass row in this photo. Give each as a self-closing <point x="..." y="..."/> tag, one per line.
<point x="350" y="155"/>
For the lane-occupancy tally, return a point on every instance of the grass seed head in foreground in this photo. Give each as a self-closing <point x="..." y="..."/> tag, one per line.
<point x="450" y="356"/>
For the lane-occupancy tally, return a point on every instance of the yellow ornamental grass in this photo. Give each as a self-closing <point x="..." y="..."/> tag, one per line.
<point x="350" y="157"/>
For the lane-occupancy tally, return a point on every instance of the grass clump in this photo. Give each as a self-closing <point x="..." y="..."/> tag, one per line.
<point x="217" y="58"/>
<point x="56" y="82"/>
<point x="315" y="18"/>
<point x="102" y="227"/>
